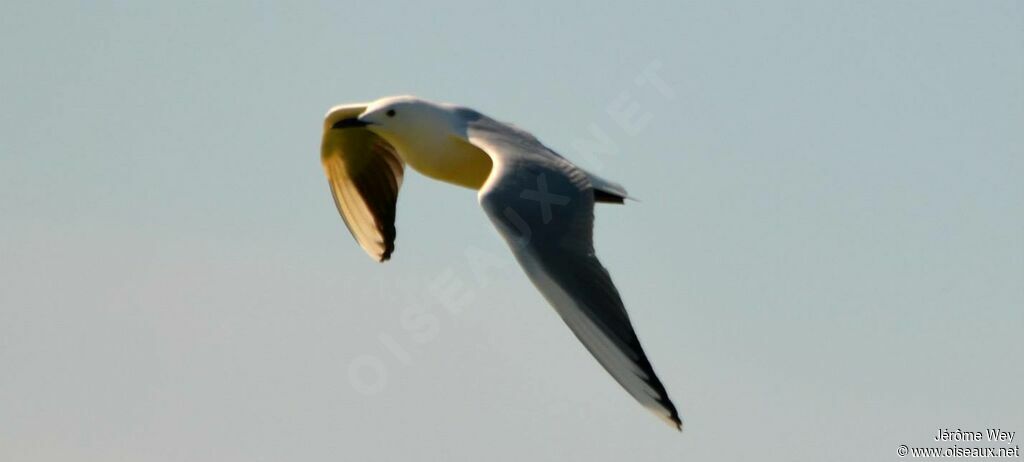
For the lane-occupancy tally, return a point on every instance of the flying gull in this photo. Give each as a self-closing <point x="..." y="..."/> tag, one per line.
<point x="542" y="204"/>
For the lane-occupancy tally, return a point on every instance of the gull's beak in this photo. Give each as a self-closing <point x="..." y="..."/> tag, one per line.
<point x="364" y="118"/>
<point x="352" y="122"/>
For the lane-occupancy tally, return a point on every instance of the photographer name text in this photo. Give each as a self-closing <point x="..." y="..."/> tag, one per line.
<point x="990" y="434"/>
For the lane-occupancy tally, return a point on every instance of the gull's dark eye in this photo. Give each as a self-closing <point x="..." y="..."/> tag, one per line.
<point x="390" y="113"/>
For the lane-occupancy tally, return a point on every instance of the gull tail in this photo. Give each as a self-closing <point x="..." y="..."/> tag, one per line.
<point x="608" y="192"/>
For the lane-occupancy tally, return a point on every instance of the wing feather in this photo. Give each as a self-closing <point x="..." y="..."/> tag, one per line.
<point x="543" y="206"/>
<point x="365" y="173"/>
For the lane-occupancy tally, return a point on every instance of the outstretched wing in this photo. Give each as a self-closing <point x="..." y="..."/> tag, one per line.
<point x="543" y="206"/>
<point x="365" y="173"/>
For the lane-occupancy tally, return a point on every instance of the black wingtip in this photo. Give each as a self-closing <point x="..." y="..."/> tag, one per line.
<point x="673" y="416"/>
<point x="389" y="246"/>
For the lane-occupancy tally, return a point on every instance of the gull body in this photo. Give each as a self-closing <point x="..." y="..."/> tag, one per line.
<point x="541" y="204"/>
<point x="427" y="137"/>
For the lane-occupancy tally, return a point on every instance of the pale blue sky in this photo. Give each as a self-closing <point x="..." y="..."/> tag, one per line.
<point x="826" y="261"/>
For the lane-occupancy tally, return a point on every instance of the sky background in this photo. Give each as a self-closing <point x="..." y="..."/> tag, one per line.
<point x="826" y="260"/>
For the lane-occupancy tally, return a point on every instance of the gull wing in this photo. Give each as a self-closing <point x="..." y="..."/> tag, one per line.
<point x="365" y="173"/>
<point x="543" y="206"/>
